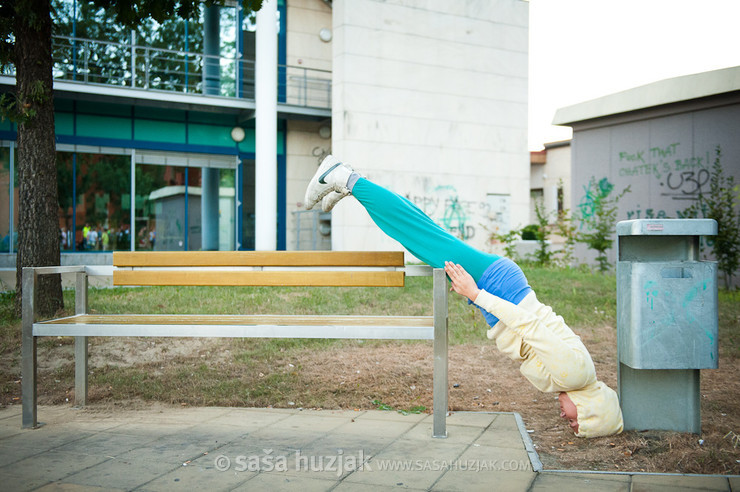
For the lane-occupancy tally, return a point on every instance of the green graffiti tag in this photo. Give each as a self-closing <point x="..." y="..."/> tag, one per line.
<point x="455" y="215"/>
<point x="591" y="201"/>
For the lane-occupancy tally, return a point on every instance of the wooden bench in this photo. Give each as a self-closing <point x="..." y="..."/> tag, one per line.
<point x="241" y="268"/>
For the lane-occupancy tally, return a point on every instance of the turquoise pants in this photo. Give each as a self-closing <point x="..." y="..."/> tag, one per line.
<point x="407" y="224"/>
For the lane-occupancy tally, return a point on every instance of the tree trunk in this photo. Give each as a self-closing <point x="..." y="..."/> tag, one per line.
<point x="38" y="222"/>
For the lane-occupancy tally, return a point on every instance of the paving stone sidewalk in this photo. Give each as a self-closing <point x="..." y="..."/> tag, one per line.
<point x="164" y="448"/>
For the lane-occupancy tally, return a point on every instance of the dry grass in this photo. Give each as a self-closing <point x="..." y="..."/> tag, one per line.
<point x="398" y="375"/>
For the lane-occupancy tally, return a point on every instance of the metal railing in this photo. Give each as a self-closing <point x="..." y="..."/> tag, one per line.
<point x="312" y="230"/>
<point x="89" y="61"/>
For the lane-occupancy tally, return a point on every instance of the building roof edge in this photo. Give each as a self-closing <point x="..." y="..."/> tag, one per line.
<point x="662" y="92"/>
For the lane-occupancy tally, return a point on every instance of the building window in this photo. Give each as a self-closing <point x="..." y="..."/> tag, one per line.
<point x="161" y="206"/>
<point x="561" y="200"/>
<point x="102" y="201"/>
<point x="247" y="239"/>
<point x="536" y="195"/>
<point x="185" y="202"/>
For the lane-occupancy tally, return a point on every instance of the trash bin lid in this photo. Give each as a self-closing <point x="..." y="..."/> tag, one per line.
<point x="667" y="227"/>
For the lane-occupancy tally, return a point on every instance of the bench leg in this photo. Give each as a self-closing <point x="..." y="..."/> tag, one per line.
<point x="28" y="351"/>
<point x="80" y="371"/>
<point x="440" y="354"/>
<point x="81" y="306"/>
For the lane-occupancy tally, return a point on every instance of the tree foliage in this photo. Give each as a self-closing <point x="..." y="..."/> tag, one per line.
<point x="599" y="216"/>
<point x="132" y="12"/>
<point x="722" y="204"/>
<point x="567" y="229"/>
<point x="543" y="256"/>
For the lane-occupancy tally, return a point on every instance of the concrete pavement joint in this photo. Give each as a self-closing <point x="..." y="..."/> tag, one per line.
<point x="534" y="458"/>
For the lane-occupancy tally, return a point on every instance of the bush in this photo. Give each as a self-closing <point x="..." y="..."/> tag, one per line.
<point x="721" y="204"/>
<point x="599" y="215"/>
<point x="529" y="233"/>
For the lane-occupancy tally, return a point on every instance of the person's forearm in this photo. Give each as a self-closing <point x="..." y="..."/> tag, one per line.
<point x="511" y="314"/>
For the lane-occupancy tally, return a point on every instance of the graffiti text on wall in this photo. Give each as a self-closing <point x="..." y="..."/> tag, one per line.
<point x="653" y="213"/>
<point x="682" y="178"/>
<point x="591" y="201"/>
<point x="448" y="210"/>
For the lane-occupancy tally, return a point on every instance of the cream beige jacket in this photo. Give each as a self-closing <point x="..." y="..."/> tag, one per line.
<point x="552" y="357"/>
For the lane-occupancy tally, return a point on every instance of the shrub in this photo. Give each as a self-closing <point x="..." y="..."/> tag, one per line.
<point x="599" y="215"/>
<point x="721" y="204"/>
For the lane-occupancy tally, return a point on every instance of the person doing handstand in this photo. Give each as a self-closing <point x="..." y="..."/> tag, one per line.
<point x="552" y="357"/>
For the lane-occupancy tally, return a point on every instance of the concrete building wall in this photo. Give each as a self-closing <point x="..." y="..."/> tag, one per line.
<point x="304" y="144"/>
<point x="659" y="140"/>
<point x="304" y="148"/>
<point x="665" y="160"/>
<point x="430" y="100"/>
<point x="306" y="18"/>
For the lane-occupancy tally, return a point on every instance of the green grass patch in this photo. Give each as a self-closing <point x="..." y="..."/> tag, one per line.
<point x="413" y="410"/>
<point x="729" y="323"/>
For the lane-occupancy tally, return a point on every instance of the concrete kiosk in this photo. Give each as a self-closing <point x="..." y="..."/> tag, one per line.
<point x="666" y="321"/>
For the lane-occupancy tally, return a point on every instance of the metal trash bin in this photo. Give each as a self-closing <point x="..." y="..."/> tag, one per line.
<point x="666" y="321"/>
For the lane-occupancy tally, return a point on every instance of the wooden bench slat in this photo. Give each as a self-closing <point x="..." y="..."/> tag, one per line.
<point x="257" y="258"/>
<point x="241" y="319"/>
<point x="260" y="278"/>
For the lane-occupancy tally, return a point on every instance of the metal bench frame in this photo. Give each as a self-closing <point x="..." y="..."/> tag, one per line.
<point x="83" y="325"/>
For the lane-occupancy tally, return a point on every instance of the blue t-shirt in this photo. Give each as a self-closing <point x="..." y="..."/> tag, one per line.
<point x="506" y="280"/>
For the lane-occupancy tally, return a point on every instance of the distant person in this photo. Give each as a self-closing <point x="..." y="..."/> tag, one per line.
<point x="552" y="357"/>
<point x="85" y="233"/>
<point x="123" y="239"/>
<point x="105" y="239"/>
<point x="92" y="238"/>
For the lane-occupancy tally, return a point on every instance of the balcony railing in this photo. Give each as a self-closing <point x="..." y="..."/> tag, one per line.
<point x="89" y="61"/>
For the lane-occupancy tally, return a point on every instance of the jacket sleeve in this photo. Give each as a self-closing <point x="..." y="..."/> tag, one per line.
<point x="512" y="315"/>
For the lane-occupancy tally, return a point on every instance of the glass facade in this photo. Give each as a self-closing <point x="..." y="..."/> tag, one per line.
<point x="94" y="201"/>
<point x="182" y="202"/>
<point x="155" y="176"/>
<point x="176" y="212"/>
<point x="8" y="189"/>
<point x="200" y="56"/>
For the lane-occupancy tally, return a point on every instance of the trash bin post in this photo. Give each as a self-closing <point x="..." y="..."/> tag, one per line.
<point x="666" y="321"/>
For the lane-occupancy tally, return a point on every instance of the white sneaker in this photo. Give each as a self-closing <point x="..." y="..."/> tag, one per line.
<point x="328" y="202"/>
<point x="332" y="175"/>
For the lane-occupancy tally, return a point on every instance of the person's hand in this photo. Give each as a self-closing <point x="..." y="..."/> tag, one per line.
<point x="462" y="281"/>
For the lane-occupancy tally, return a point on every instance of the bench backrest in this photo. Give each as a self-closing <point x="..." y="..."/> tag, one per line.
<point x="260" y="268"/>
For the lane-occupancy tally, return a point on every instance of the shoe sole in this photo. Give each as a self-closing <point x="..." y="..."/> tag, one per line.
<point x="330" y="200"/>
